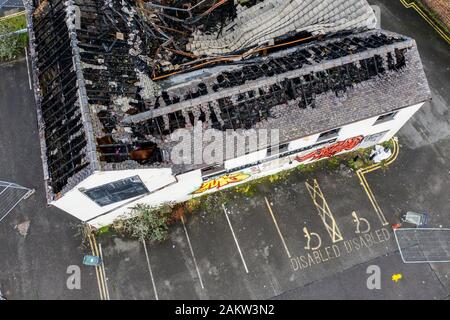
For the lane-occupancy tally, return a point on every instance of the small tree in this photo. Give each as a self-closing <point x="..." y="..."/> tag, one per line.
<point x="147" y="223"/>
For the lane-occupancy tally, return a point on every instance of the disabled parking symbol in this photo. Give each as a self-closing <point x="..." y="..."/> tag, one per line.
<point x="309" y="240"/>
<point x="359" y="223"/>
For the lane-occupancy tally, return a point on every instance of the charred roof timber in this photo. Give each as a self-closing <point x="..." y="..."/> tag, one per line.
<point x="114" y="78"/>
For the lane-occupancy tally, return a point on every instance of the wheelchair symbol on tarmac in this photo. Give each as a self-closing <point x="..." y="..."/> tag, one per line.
<point x="358" y="222"/>
<point x="309" y="236"/>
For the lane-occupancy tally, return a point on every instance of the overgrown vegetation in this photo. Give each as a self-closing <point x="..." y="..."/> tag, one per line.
<point x="209" y="201"/>
<point x="11" y="45"/>
<point x="146" y="222"/>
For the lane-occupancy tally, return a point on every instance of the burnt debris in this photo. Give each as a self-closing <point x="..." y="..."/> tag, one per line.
<point x="114" y="78"/>
<point x="241" y="107"/>
<point x="63" y="133"/>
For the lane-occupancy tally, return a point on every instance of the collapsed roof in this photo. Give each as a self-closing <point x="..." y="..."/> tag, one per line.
<point x="271" y="19"/>
<point x="114" y="78"/>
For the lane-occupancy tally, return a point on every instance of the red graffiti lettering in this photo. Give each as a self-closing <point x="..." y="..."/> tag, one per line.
<point x="332" y="150"/>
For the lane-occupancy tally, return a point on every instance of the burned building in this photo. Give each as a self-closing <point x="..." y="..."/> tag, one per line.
<point x="115" y="79"/>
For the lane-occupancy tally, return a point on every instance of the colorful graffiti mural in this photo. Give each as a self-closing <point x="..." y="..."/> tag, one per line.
<point x="332" y="150"/>
<point x="321" y="153"/>
<point x="222" y="181"/>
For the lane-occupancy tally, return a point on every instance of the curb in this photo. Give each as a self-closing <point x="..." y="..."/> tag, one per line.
<point x="12" y="15"/>
<point x="427" y="18"/>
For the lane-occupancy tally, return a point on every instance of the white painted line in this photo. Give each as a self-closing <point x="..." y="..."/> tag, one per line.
<point x="235" y="239"/>
<point x="277" y="227"/>
<point x="104" y="271"/>
<point x="150" y="270"/>
<point x="28" y="68"/>
<point x="192" y="253"/>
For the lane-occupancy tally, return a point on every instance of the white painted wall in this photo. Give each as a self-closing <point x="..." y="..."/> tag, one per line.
<point x="367" y="127"/>
<point x="303" y="142"/>
<point x="178" y="192"/>
<point x="400" y="120"/>
<point x="364" y="127"/>
<point x="79" y="205"/>
<point x="180" y="188"/>
<point x="249" y="158"/>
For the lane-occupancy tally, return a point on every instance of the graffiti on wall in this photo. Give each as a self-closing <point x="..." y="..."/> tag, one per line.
<point x="331" y="150"/>
<point x="321" y="153"/>
<point x="222" y="181"/>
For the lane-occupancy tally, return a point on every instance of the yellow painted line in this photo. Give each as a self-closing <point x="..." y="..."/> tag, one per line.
<point x="361" y="175"/>
<point x="96" y="270"/>
<point x="395" y="152"/>
<point x="12" y="15"/>
<point x="277" y="227"/>
<point x="373" y="200"/>
<point x="324" y="211"/>
<point x="369" y="192"/>
<point x="104" y="271"/>
<point x="101" y="271"/>
<point x="389" y="161"/>
<point x="427" y="19"/>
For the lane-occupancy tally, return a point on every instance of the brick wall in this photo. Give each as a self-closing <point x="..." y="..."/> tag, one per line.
<point x="441" y="8"/>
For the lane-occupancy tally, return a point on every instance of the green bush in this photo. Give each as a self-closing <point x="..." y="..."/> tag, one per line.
<point x="11" y="45"/>
<point x="146" y="223"/>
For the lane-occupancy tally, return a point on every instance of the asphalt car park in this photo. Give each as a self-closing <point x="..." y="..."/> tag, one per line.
<point x="256" y="247"/>
<point x="34" y="264"/>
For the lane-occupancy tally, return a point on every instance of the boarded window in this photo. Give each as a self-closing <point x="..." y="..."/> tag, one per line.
<point x="282" y="148"/>
<point x="329" y="134"/>
<point x="386" y="117"/>
<point x="212" y="171"/>
<point x="116" y="191"/>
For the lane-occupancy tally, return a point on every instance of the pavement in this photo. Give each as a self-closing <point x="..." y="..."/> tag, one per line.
<point x="249" y="248"/>
<point x="261" y="253"/>
<point x="34" y="266"/>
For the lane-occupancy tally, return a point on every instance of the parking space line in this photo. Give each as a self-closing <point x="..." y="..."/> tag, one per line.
<point x="277" y="227"/>
<point x="235" y="239"/>
<point x="372" y="199"/>
<point x="150" y="269"/>
<point x="96" y="269"/>
<point x="101" y="273"/>
<point x="104" y="270"/>
<point x="361" y="175"/>
<point x="192" y="253"/>
<point x="324" y="211"/>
